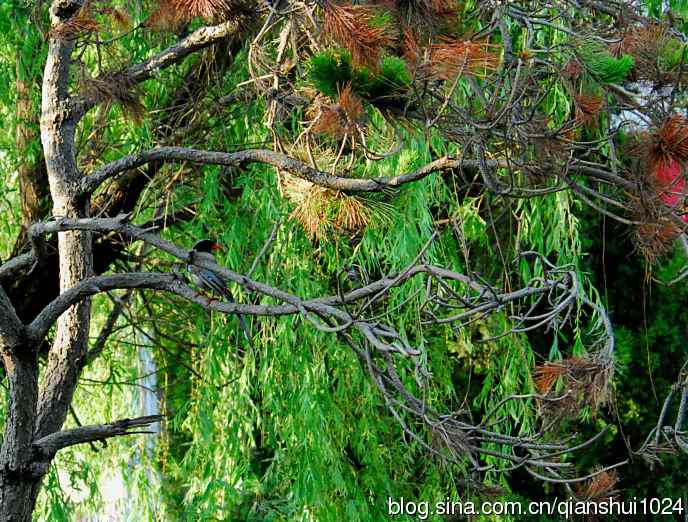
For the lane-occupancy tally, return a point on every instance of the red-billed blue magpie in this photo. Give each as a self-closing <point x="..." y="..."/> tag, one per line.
<point x="210" y="281"/>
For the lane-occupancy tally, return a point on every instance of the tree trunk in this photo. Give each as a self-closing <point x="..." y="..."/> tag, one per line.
<point x="19" y="476"/>
<point x="33" y="179"/>
<point x="39" y="409"/>
<point x="33" y="412"/>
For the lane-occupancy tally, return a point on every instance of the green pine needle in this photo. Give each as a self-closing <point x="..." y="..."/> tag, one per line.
<point x="329" y="71"/>
<point x="602" y="65"/>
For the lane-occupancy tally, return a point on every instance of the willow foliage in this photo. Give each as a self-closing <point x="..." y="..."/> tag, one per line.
<point x="297" y="429"/>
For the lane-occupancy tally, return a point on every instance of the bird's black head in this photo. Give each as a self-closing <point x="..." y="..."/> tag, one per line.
<point x="206" y="245"/>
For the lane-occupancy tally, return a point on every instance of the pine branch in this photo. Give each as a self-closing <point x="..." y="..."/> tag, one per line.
<point x="278" y="160"/>
<point x="140" y="72"/>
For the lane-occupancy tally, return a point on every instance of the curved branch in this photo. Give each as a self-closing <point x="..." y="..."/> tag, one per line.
<point x="14" y="266"/>
<point x="277" y="160"/>
<point x="91" y="286"/>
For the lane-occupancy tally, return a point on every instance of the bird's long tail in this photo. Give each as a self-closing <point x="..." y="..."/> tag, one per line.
<point x="242" y="320"/>
<point x="246" y="329"/>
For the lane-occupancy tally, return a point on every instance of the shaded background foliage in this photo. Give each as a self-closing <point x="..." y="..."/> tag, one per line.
<point x="296" y="430"/>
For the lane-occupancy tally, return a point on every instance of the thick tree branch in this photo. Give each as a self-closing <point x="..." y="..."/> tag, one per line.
<point x="11" y="328"/>
<point x="297" y="168"/>
<point x="89" y="287"/>
<point x="199" y="39"/>
<point x="46" y="447"/>
<point x="276" y="159"/>
<point x="15" y="266"/>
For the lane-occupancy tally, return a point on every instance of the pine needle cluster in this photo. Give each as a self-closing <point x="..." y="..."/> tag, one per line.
<point x="599" y="488"/>
<point x="352" y="27"/>
<point x="342" y="118"/>
<point x="656" y="52"/>
<point x="171" y="14"/>
<point x="584" y="383"/>
<point x="601" y="64"/>
<point x="452" y="58"/>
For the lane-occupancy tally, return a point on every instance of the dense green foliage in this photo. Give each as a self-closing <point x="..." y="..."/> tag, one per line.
<point x="331" y="71"/>
<point x="602" y="65"/>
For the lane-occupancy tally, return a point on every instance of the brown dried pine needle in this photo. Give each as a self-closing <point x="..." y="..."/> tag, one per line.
<point x="351" y="26"/>
<point x="452" y="58"/>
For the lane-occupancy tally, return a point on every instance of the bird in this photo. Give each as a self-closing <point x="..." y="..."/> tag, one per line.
<point x="211" y="281"/>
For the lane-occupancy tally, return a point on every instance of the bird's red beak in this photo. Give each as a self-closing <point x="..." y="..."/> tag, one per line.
<point x="216" y="246"/>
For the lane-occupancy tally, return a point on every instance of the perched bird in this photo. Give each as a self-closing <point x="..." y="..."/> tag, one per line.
<point x="210" y="281"/>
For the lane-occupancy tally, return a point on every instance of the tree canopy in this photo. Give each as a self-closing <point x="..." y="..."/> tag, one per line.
<point x="456" y="231"/>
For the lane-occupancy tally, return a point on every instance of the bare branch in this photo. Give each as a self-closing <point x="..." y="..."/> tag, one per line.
<point x="89" y="287"/>
<point x="47" y="446"/>
<point x="276" y="159"/>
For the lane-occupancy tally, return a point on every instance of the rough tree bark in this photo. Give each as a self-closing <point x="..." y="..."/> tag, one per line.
<point x="17" y="477"/>
<point x="67" y="354"/>
<point x="37" y="410"/>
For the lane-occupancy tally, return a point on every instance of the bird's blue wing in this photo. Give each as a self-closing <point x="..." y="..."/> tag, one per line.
<point x="215" y="283"/>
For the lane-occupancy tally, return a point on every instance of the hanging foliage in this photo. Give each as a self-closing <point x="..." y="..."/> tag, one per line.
<point x="428" y="212"/>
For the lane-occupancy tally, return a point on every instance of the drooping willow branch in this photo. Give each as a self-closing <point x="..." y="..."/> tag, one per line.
<point x="450" y="297"/>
